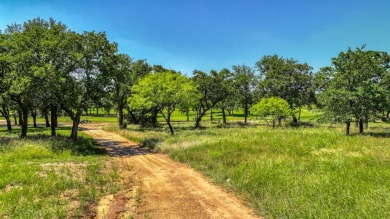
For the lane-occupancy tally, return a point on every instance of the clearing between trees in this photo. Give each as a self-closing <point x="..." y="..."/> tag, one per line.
<point x="161" y="187"/>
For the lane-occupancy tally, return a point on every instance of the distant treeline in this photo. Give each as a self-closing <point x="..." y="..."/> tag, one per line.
<point x="47" y="68"/>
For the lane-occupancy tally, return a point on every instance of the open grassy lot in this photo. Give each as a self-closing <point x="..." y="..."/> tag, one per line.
<point x="44" y="177"/>
<point x="314" y="172"/>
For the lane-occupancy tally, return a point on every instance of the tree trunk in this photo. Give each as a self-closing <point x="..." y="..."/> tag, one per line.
<point x="279" y="121"/>
<point x="223" y="116"/>
<point x="15" y="120"/>
<point x="5" y="113"/>
<point x="53" y="118"/>
<point x="188" y="115"/>
<point x="75" y="126"/>
<point x="273" y="123"/>
<point x="47" y="119"/>
<point x="24" y="122"/>
<point x="168" y="119"/>
<point x="199" y="119"/>
<point x="86" y="111"/>
<point x="154" y="117"/>
<point x="361" y="128"/>
<point x="299" y="114"/>
<point x="211" y="115"/>
<point x="295" y="120"/>
<point x="20" y="117"/>
<point x="34" y="116"/>
<point x="120" y="117"/>
<point x="135" y="120"/>
<point x="347" y="126"/>
<point x="97" y="111"/>
<point x="9" y="125"/>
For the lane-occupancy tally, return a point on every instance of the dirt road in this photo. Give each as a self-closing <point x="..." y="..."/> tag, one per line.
<point x="160" y="187"/>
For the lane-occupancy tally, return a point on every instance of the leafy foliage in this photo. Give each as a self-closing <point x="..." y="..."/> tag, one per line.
<point x="165" y="91"/>
<point x="275" y="107"/>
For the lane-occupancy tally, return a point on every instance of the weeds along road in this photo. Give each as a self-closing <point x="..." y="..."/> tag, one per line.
<point x="158" y="187"/>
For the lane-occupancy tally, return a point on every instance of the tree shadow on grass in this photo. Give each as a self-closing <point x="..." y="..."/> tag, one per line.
<point x="373" y="134"/>
<point x="32" y="130"/>
<point x="58" y="144"/>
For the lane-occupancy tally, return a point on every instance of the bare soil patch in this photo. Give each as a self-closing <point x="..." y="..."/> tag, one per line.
<point x="159" y="187"/>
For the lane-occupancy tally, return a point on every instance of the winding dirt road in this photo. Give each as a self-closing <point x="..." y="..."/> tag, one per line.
<point x="159" y="187"/>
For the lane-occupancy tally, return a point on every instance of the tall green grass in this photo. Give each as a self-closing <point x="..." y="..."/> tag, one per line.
<point x="44" y="177"/>
<point x="293" y="172"/>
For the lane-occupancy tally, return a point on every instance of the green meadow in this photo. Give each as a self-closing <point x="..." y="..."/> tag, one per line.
<point x="45" y="177"/>
<point x="304" y="172"/>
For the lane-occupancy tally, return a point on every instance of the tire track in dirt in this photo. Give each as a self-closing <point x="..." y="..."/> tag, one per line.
<point x="165" y="188"/>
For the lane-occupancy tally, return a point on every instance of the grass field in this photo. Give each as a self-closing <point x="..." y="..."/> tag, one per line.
<point x="44" y="177"/>
<point x="314" y="172"/>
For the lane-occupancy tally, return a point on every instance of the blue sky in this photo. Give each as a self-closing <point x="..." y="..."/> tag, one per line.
<point x="212" y="34"/>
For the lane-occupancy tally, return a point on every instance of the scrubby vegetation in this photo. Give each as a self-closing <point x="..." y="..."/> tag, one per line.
<point x="44" y="177"/>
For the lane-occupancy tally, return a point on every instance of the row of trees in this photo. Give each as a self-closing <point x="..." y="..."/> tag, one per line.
<point x="48" y="69"/>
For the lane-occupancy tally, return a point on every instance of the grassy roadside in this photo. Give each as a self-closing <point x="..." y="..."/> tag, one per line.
<point x="289" y="172"/>
<point x="44" y="177"/>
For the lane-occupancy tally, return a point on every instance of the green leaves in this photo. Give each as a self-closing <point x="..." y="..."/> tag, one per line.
<point x="165" y="91"/>
<point x="273" y="106"/>
<point x="285" y="78"/>
<point x="355" y="89"/>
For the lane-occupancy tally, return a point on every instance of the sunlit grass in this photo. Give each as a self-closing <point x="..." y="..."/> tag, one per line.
<point x="312" y="172"/>
<point x="44" y="177"/>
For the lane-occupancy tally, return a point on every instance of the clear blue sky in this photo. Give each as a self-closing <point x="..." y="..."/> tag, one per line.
<point x="212" y="34"/>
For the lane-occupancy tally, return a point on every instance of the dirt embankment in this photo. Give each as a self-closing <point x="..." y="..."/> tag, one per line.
<point x="160" y="187"/>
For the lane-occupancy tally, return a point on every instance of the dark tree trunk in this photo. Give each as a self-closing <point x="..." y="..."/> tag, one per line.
<point x="279" y="121"/>
<point x="299" y="114"/>
<point x="34" y="116"/>
<point x="120" y="117"/>
<point x="168" y="119"/>
<point x="211" y="115"/>
<point x="47" y="119"/>
<point x="170" y="128"/>
<point x="154" y="117"/>
<point x="273" y="123"/>
<point x="133" y="117"/>
<point x="86" y="111"/>
<point x="9" y="125"/>
<point x="53" y="118"/>
<point x="5" y="113"/>
<point x="295" y="120"/>
<point x="75" y="126"/>
<point x="223" y="116"/>
<point x="15" y="120"/>
<point x="199" y="119"/>
<point x="24" y="122"/>
<point x="188" y="115"/>
<point x="97" y="111"/>
<point x="361" y="128"/>
<point x="347" y="126"/>
<point x="20" y="117"/>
